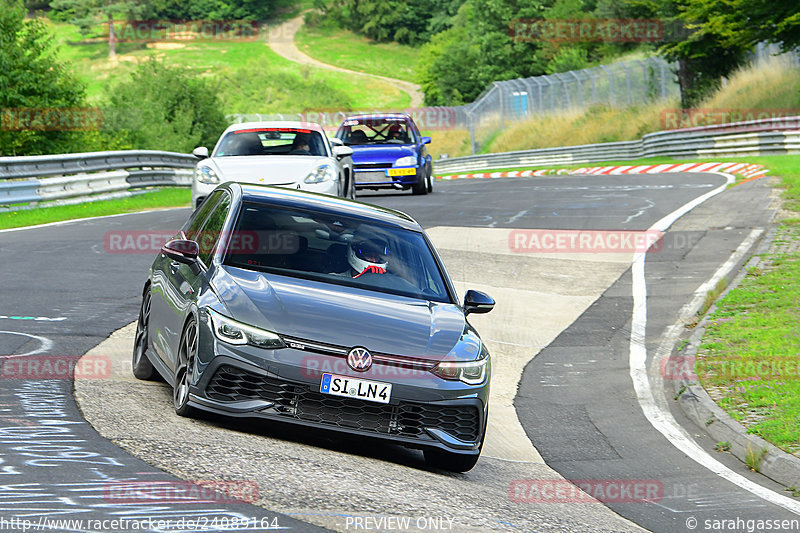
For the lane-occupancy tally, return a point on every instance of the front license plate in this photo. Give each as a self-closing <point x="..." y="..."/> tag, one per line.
<point x="373" y="391"/>
<point x="401" y="171"/>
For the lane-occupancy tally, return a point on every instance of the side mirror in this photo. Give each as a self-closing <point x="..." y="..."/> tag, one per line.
<point x="201" y="152"/>
<point x="477" y="302"/>
<point x="181" y="250"/>
<point x="336" y="141"/>
<point x="425" y="140"/>
<point x="342" y="151"/>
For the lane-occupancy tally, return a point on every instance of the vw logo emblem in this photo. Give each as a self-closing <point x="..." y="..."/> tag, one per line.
<point x="359" y="359"/>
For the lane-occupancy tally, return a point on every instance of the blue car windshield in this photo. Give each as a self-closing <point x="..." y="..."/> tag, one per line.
<point x="335" y="249"/>
<point x="371" y="130"/>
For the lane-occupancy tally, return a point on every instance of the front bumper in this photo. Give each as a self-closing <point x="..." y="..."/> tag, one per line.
<point x="424" y="412"/>
<point x="376" y="177"/>
<point x="201" y="190"/>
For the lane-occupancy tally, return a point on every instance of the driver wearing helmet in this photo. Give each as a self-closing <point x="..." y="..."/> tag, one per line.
<point x="367" y="255"/>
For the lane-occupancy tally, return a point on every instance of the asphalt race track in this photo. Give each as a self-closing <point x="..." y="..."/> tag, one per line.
<point x="561" y="330"/>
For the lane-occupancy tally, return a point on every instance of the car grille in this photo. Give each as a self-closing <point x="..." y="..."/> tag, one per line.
<point x="371" y="166"/>
<point x="295" y="400"/>
<point x="372" y="177"/>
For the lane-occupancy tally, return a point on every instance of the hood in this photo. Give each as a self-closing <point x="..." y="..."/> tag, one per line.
<point x="380" y="153"/>
<point x="339" y="315"/>
<point x="267" y="169"/>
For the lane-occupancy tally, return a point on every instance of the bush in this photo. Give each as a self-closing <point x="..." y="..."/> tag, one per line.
<point x="163" y="108"/>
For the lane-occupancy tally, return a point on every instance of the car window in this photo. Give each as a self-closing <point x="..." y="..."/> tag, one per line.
<point x="339" y="250"/>
<point x="387" y="130"/>
<point x="200" y="215"/>
<point x="271" y="141"/>
<point x="210" y="234"/>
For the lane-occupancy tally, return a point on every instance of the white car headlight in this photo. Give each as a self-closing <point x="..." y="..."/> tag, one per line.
<point x="205" y="174"/>
<point x="233" y="332"/>
<point x="322" y="173"/>
<point x="406" y="161"/>
<point x="470" y="372"/>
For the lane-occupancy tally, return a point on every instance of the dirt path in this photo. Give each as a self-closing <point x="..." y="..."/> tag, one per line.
<point x="281" y="40"/>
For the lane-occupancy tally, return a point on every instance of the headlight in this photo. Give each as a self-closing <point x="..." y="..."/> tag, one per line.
<point x="321" y="173"/>
<point x="206" y="174"/>
<point x="406" y="161"/>
<point x="470" y="372"/>
<point x="233" y="332"/>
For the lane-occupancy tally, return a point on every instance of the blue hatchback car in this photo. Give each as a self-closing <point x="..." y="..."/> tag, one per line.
<point x="388" y="152"/>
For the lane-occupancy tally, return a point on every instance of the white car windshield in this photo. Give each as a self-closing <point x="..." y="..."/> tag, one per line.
<point x="271" y="141"/>
<point x="336" y="249"/>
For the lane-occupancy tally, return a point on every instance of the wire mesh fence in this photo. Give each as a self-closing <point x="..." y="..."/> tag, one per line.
<point x="618" y="85"/>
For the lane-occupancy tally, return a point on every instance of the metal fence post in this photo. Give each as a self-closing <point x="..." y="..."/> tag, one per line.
<point x="627" y="80"/>
<point x="610" y="85"/>
<point x="580" y="88"/>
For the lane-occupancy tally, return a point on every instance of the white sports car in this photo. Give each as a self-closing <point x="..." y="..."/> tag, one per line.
<point x="287" y="154"/>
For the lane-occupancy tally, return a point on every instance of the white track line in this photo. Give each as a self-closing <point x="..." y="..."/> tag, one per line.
<point x="661" y="419"/>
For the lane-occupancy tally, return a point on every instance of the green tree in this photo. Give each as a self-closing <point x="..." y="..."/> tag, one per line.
<point x="479" y="48"/>
<point x="32" y="77"/>
<point x="744" y="23"/>
<point x="703" y="58"/>
<point x="164" y="108"/>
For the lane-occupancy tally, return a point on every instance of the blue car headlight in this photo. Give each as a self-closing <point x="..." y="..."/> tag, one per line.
<point x="234" y="332"/>
<point x="205" y="174"/>
<point x="406" y="161"/>
<point x="469" y="372"/>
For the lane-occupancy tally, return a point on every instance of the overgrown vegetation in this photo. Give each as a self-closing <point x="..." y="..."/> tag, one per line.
<point x="774" y="85"/>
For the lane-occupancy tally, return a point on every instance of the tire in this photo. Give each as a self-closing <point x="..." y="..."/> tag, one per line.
<point x="421" y="186"/>
<point x="142" y="367"/>
<point x="351" y="193"/>
<point x="453" y="462"/>
<point x="183" y="377"/>
<point x="430" y="180"/>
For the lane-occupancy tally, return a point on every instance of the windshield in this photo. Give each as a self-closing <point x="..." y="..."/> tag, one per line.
<point x="336" y="249"/>
<point x="271" y="141"/>
<point x="389" y="130"/>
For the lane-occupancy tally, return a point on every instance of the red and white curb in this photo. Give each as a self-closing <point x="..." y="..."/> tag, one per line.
<point x="744" y="169"/>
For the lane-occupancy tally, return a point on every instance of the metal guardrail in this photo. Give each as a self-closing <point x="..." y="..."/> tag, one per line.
<point x="755" y="137"/>
<point x="80" y="177"/>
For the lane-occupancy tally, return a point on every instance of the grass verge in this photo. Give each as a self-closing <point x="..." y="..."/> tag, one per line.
<point x="749" y="352"/>
<point x="166" y="197"/>
<point x="345" y="49"/>
<point x="252" y="78"/>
